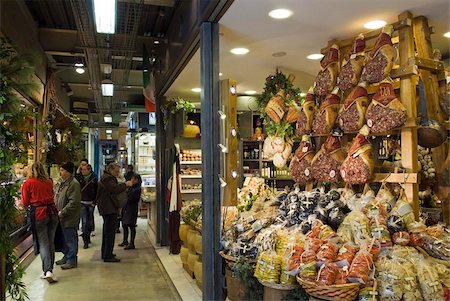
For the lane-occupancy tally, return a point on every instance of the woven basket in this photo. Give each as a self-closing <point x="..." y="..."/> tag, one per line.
<point x="279" y="286"/>
<point x="340" y="292"/>
<point x="276" y="108"/>
<point x="292" y="114"/>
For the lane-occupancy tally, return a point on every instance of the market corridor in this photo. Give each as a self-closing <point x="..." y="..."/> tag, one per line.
<point x="139" y="276"/>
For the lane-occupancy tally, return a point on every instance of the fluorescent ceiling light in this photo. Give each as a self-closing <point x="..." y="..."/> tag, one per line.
<point x="107" y="118"/>
<point x="375" y="24"/>
<point x="250" y="92"/>
<point x="105" y="15"/>
<point x="447" y="34"/>
<point x="155" y="42"/>
<point x="315" y="56"/>
<point x="239" y="51"/>
<point x="196" y="90"/>
<point x="280" y="13"/>
<point x="107" y="87"/>
<point x="79" y="64"/>
<point x="80" y="70"/>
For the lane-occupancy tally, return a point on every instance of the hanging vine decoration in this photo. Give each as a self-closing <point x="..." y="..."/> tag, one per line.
<point x="15" y="80"/>
<point x="275" y="83"/>
<point x="173" y="105"/>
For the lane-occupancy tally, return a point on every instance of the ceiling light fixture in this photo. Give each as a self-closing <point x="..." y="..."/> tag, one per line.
<point x="281" y="13"/>
<point x="79" y="64"/>
<point x="108" y="131"/>
<point x="279" y="54"/>
<point x="375" y="24"/>
<point x="105" y="16"/>
<point x="447" y="34"/>
<point x="223" y="148"/>
<point x="315" y="56"/>
<point x="107" y="118"/>
<point x="222" y="182"/>
<point x="222" y="114"/>
<point x="250" y="92"/>
<point x="196" y="90"/>
<point x="239" y="51"/>
<point x="233" y="132"/>
<point x="233" y="90"/>
<point x="155" y="42"/>
<point x="107" y="87"/>
<point x="80" y="70"/>
<point x="220" y="73"/>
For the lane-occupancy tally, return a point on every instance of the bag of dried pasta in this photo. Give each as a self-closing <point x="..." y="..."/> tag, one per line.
<point x="327" y="252"/>
<point x="271" y="263"/>
<point x="307" y="271"/>
<point x="368" y="293"/>
<point x="361" y="266"/>
<point x="286" y="276"/>
<point x="429" y="281"/>
<point x="327" y="274"/>
<point x="444" y="274"/>
<point x="404" y="210"/>
<point x="389" y="275"/>
<point x="411" y="287"/>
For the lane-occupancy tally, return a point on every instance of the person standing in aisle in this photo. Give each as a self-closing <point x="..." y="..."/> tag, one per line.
<point x="88" y="184"/>
<point x="130" y="172"/>
<point x="37" y="193"/>
<point x="108" y="190"/>
<point x="68" y="202"/>
<point x="83" y="162"/>
<point x="130" y="213"/>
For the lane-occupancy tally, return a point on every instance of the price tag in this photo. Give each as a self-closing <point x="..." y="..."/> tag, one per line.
<point x="307" y="172"/>
<point x="305" y="149"/>
<point x="369" y="122"/>
<point x="332" y="174"/>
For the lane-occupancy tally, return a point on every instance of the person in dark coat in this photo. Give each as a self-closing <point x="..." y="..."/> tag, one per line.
<point x="130" y="172"/>
<point x="108" y="187"/>
<point x="130" y="213"/>
<point x="88" y="183"/>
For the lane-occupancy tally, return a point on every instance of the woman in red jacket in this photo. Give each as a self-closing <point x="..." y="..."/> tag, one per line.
<point x="37" y="193"/>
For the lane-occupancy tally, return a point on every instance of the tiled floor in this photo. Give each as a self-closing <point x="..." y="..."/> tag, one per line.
<point x="141" y="275"/>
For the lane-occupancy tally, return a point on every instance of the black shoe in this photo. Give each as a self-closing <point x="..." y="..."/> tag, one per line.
<point x="61" y="261"/>
<point x="68" y="266"/>
<point x="85" y="246"/>
<point x="130" y="247"/>
<point x="123" y="244"/>
<point x="113" y="259"/>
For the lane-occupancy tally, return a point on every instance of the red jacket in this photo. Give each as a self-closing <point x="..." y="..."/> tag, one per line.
<point x="38" y="193"/>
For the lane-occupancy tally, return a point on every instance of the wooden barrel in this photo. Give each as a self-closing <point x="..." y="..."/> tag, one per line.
<point x="184" y="252"/>
<point x="198" y="243"/>
<point x="183" y="230"/>
<point x="236" y="289"/>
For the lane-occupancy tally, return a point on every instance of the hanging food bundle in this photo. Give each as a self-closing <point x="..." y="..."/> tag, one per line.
<point x="352" y="65"/>
<point x="306" y="114"/>
<point x="352" y="114"/>
<point x="326" y="116"/>
<point x="385" y="112"/>
<point x="358" y="166"/>
<point x="276" y="108"/>
<point x="381" y="59"/>
<point x="300" y="166"/>
<point x="327" y="77"/>
<point x="327" y="162"/>
<point x="277" y="149"/>
<point x="293" y="110"/>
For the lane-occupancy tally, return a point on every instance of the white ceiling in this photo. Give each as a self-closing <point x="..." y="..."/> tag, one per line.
<point x="312" y="25"/>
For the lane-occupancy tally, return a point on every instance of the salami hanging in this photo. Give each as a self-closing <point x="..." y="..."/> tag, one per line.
<point x="358" y="166"/>
<point x="306" y="115"/>
<point x="385" y="112"/>
<point x="300" y="166"/>
<point x="381" y="59"/>
<point x="352" y="66"/>
<point x="326" y="116"/>
<point x="327" y="162"/>
<point x="327" y="77"/>
<point x="352" y="114"/>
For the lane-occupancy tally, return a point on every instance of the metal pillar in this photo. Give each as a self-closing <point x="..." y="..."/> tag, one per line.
<point x="161" y="181"/>
<point x="211" y="205"/>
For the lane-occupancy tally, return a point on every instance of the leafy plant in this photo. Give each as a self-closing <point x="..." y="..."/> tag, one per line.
<point x="275" y="83"/>
<point x="173" y="105"/>
<point x="15" y="80"/>
<point x="244" y="270"/>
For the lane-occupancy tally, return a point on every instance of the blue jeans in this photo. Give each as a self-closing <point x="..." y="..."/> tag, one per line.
<point x="46" y="230"/>
<point x="71" y="248"/>
<point x="87" y="221"/>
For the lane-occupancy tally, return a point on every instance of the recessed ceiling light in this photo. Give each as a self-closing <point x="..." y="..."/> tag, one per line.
<point x="279" y="54"/>
<point x="220" y="73"/>
<point x="280" y="13"/>
<point x="315" y="56"/>
<point x="155" y="42"/>
<point x="250" y="92"/>
<point x="239" y="51"/>
<point x="196" y="90"/>
<point x="79" y="64"/>
<point x="447" y="34"/>
<point x="375" y="24"/>
<point x="79" y="70"/>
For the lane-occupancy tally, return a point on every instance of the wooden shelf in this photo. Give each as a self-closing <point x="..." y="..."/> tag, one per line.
<point x="190" y="162"/>
<point x="191" y="191"/>
<point x="280" y="179"/>
<point x="251" y="160"/>
<point x="190" y="176"/>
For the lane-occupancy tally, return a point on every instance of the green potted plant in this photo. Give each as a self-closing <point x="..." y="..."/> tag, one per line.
<point x="179" y="108"/>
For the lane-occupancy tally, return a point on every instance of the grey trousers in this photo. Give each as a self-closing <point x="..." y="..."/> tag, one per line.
<point x="46" y="230"/>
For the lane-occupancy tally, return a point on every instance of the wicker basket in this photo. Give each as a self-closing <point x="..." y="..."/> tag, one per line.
<point x="276" y="108"/>
<point x="292" y="114"/>
<point x="341" y="292"/>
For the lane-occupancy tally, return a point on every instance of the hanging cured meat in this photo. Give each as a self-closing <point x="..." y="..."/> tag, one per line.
<point x="358" y="166"/>
<point x="300" y="166"/>
<point x="381" y="58"/>
<point x="327" y="162"/>
<point x="352" y="66"/>
<point x="385" y="112"/>
<point x="326" y="116"/>
<point x="327" y="77"/>
<point x="352" y="114"/>
<point x="306" y="115"/>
